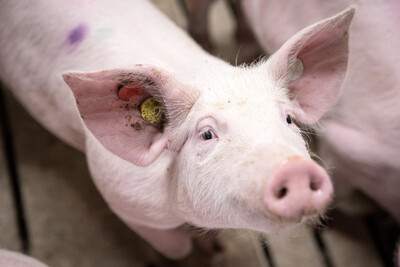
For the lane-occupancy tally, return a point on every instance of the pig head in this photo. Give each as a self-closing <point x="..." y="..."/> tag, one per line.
<point x="225" y="153"/>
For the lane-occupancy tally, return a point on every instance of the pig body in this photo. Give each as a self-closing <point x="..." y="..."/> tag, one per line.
<point x="360" y="138"/>
<point x="225" y="147"/>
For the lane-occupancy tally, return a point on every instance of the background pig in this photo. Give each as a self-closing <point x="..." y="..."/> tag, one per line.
<point x="198" y="27"/>
<point x="221" y="126"/>
<point x="359" y="139"/>
<point x="197" y="21"/>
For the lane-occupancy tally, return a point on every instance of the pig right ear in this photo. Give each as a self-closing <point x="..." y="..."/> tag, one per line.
<point x="111" y="105"/>
<point x="312" y="65"/>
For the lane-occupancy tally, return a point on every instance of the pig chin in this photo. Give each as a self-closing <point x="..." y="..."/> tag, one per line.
<point x="267" y="223"/>
<point x="270" y="224"/>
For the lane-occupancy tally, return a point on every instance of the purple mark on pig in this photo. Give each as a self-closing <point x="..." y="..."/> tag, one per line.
<point x="77" y="35"/>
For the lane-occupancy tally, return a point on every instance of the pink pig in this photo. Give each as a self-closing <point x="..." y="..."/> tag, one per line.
<point x="224" y="151"/>
<point x="360" y="139"/>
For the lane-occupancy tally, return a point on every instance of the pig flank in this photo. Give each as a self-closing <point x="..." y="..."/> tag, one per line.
<point x="223" y="154"/>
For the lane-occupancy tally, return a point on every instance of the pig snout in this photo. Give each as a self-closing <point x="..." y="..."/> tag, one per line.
<point x="299" y="187"/>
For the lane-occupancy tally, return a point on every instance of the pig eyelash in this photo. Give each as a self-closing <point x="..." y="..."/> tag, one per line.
<point x="208" y="135"/>
<point x="290" y="122"/>
<point x="206" y="130"/>
<point x="289" y="119"/>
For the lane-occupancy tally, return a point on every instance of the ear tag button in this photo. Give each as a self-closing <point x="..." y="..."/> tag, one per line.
<point x="151" y="110"/>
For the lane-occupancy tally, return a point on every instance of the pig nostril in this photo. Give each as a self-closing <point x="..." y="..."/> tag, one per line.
<point x="314" y="186"/>
<point x="282" y="192"/>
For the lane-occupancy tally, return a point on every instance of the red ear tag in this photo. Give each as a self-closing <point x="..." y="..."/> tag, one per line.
<point x="128" y="92"/>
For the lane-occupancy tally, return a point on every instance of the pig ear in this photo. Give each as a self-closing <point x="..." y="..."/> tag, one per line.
<point x="312" y="65"/>
<point x="113" y="104"/>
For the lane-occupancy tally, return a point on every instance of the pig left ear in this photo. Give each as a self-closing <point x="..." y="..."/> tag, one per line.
<point x="132" y="110"/>
<point x="312" y="65"/>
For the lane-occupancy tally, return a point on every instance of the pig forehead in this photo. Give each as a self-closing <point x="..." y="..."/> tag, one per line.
<point x="241" y="113"/>
<point x="242" y="96"/>
<point x="237" y="105"/>
<point x="253" y="97"/>
<point x="241" y="83"/>
<point x="247" y="93"/>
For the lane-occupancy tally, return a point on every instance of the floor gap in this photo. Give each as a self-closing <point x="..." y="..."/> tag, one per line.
<point x="384" y="233"/>
<point x="267" y="252"/>
<point x="11" y="163"/>
<point x="322" y="248"/>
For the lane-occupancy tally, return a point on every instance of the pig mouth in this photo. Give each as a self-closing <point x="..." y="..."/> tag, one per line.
<point x="277" y="223"/>
<point x="257" y="218"/>
<point x="284" y="220"/>
<point x="315" y="219"/>
<point x="271" y="224"/>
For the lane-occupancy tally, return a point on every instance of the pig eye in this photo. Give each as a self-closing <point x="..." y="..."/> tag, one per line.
<point x="289" y="119"/>
<point x="208" y="135"/>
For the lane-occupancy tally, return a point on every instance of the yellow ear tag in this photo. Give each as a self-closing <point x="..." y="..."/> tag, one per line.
<point x="151" y="110"/>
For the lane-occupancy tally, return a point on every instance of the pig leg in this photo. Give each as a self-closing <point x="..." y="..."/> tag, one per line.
<point x="172" y="243"/>
<point x="197" y="21"/>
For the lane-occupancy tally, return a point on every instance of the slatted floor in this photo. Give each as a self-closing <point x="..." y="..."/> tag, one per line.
<point x="50" y="209"/>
